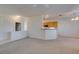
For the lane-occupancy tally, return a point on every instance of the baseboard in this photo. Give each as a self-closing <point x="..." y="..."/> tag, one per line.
<point x="69" y="37"/>
<point x="7" y="41"/>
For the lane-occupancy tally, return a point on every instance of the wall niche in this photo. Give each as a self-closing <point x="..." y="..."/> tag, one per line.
<point x="17" y="26"/>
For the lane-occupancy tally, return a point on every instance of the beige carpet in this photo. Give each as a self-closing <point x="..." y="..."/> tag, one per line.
<point x="38" y="46"/>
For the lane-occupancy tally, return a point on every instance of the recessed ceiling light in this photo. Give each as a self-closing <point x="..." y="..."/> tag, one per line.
<point x="73" y="19"/>
<point x="18" y="16"/>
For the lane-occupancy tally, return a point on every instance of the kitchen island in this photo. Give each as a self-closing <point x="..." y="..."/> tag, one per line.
<point x="50" y="33"/>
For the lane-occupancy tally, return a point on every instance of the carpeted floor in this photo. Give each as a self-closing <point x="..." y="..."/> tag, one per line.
<point x="38" y="46"/>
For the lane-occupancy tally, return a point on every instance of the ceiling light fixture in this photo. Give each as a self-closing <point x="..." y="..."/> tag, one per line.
<point x="75" y="18"/>
<point x="18" y="16"/>
<point x="46" y="16"/>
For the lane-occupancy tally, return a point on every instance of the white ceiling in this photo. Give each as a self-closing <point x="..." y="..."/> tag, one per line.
<point x="36" y="10"/>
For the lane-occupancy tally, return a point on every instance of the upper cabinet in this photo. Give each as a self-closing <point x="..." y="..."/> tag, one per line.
<point x="49" y="24"/>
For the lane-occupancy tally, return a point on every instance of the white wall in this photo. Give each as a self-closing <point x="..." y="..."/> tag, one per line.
<point x="66" y="27"/>
<point x="34" y="27"/>
<point x="69" y="28"/>
<point x="5" y="24"/>
<point x="5" y="36"/>
<point x="7" y="28"/>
